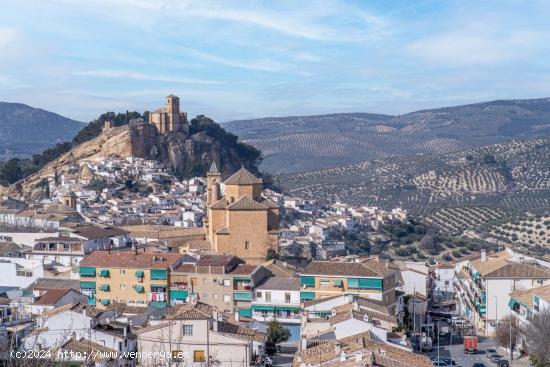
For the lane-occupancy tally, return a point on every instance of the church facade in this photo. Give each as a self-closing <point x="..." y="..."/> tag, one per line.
<point x="169" y="118"/>
<point x="240" y="221"/>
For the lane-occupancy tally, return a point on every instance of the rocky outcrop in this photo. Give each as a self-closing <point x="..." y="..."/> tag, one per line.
<point x="185" y="155"/>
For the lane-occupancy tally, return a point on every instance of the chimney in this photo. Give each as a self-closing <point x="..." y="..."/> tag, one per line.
<point x="483" y="255"/>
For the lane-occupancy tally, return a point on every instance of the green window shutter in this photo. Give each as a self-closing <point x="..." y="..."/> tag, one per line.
<point x="139" y="288"/>
<point x="140" y="274"/>
<point x="242" y="296"/>
<point x="306" y="296"/>
<point x="308" y="281"/>
<point x="178" y="294"/>
<point x="159" y="274"/>
<point x="536" y="300"/>
<point x="87" y="285"/>
<point x="366" y="283"/>
<point x="353" y="283"/>
<point x="87" y="271"/>
<point x="512" y="303"/>
<point x="104" y="273"/>
<point x="105" y="301"/>
<point x="337" y="283"/>
<point x="245" y="312"/>
<point x="91" y="301"/>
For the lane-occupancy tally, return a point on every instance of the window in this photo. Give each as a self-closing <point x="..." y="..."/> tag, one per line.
<point x="258" y="294"/>
<point x="226" y="298"/>
<point x="246" y="245"/>
<point x="287" y="297"/>
<point x="187" y="330"/>
<point x="205" y="295"/>
<point x="122" y="272"/>
<point x="198" y="356"/>
<point x="226" y="282"/>
<point x="268" y="296"/>
<point x="205" y="280"/>
<point x="215" y="296"/>
<point x="122" y="287"/>
<point x="324" y="283"/>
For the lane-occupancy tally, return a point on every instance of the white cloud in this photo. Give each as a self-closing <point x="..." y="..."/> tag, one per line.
<point x="7" y="37"/>
<point x="141" y="76"/>
<point x="474" y="47"/>
<point x="261" y="65"/>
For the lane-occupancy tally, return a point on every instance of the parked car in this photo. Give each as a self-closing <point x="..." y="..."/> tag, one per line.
<point x="447" y="360"/>
<point x="490" y="351"/>
<point x="439" y="363"/>
<point x="503" y="363"/>
<point x="478" y="364"/>
<point x="495" y="357"/>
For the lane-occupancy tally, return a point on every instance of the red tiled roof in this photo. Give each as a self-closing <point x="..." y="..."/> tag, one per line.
<point x="51" y="296"/>
<point x="141" y="260"/>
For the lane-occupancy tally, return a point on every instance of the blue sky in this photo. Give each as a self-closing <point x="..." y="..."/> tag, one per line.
<point x="241" y="59"/>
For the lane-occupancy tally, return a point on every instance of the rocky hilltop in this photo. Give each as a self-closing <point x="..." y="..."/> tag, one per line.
<point x="185" y="155"/>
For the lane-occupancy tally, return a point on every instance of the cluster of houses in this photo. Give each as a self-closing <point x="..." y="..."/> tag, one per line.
<point x="316" y="224"/>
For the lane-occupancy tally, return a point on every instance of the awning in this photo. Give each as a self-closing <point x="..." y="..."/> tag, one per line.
<point x="307" y="281"/>
<point x="368" y="283"/>
<point x="246" y="279"/>
<point x="512" y="304"/>
<point x="139" y="288"/>
<point x="104" y="287"/>
<point x="338" y="283"/>
<point x="87" y="271"/>
<point x="353" y="283"/>
<point x="263" y="308"/>
<point x="242" y="296"/>
<point x="104" y="273"/>
<point x="158" y="286"/>
<point x="91" y="301"/>
<point x="158" y="274"/>
<point x="157" y="304"/>
<point x="306" y="296"/>
<point x="245" y="312"/>
<point x="178" y="294"/>
<point x="87" y="285"/>
<point x="140" y="274"/>
<point x="286" y="308"/>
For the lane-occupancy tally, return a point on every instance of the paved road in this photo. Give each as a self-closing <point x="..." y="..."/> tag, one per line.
<point x="456" y="353"/>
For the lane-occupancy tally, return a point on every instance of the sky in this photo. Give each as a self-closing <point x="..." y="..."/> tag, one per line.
<point x="246" y="59"/>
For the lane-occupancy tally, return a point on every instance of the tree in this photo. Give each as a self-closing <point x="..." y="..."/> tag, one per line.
<point x="277" y="333"/>
<point x="271" y="254"/>
<point x="537" y="335"/>
<point x="506" y="326"/>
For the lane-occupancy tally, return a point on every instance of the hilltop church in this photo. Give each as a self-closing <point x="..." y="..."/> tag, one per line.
<point x="169" y="118"/>
<point x="240" y="222"/>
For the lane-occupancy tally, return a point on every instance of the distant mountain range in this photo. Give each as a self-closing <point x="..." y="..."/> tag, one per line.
<point x="25" y="130"/>
<point x="303" y="143"/>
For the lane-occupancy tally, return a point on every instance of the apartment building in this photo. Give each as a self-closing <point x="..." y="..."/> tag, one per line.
<point x="222" y="281"/>
<point x="277" y="299"/>
<point x="134" y="278"/>
<point x="483" y="285"/>
<point x="68" y="248"/>
<point x="364" y="277"/>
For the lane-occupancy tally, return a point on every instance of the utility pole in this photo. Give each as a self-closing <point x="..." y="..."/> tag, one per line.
<point x="438" y="341"/>
<point x="511" y="346"/>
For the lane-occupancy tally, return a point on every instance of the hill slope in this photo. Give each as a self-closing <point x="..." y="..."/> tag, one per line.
<point x="297" y="144"/>
<point x="25" y="130"/>
<point x="512" y="175"/>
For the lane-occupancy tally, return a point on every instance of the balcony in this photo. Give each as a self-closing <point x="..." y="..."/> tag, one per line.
<point x="284" y="314"/>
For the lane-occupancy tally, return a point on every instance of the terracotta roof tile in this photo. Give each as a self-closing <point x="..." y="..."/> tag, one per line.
<point x="51" y="296"/>
<point x="243" y="177"/>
